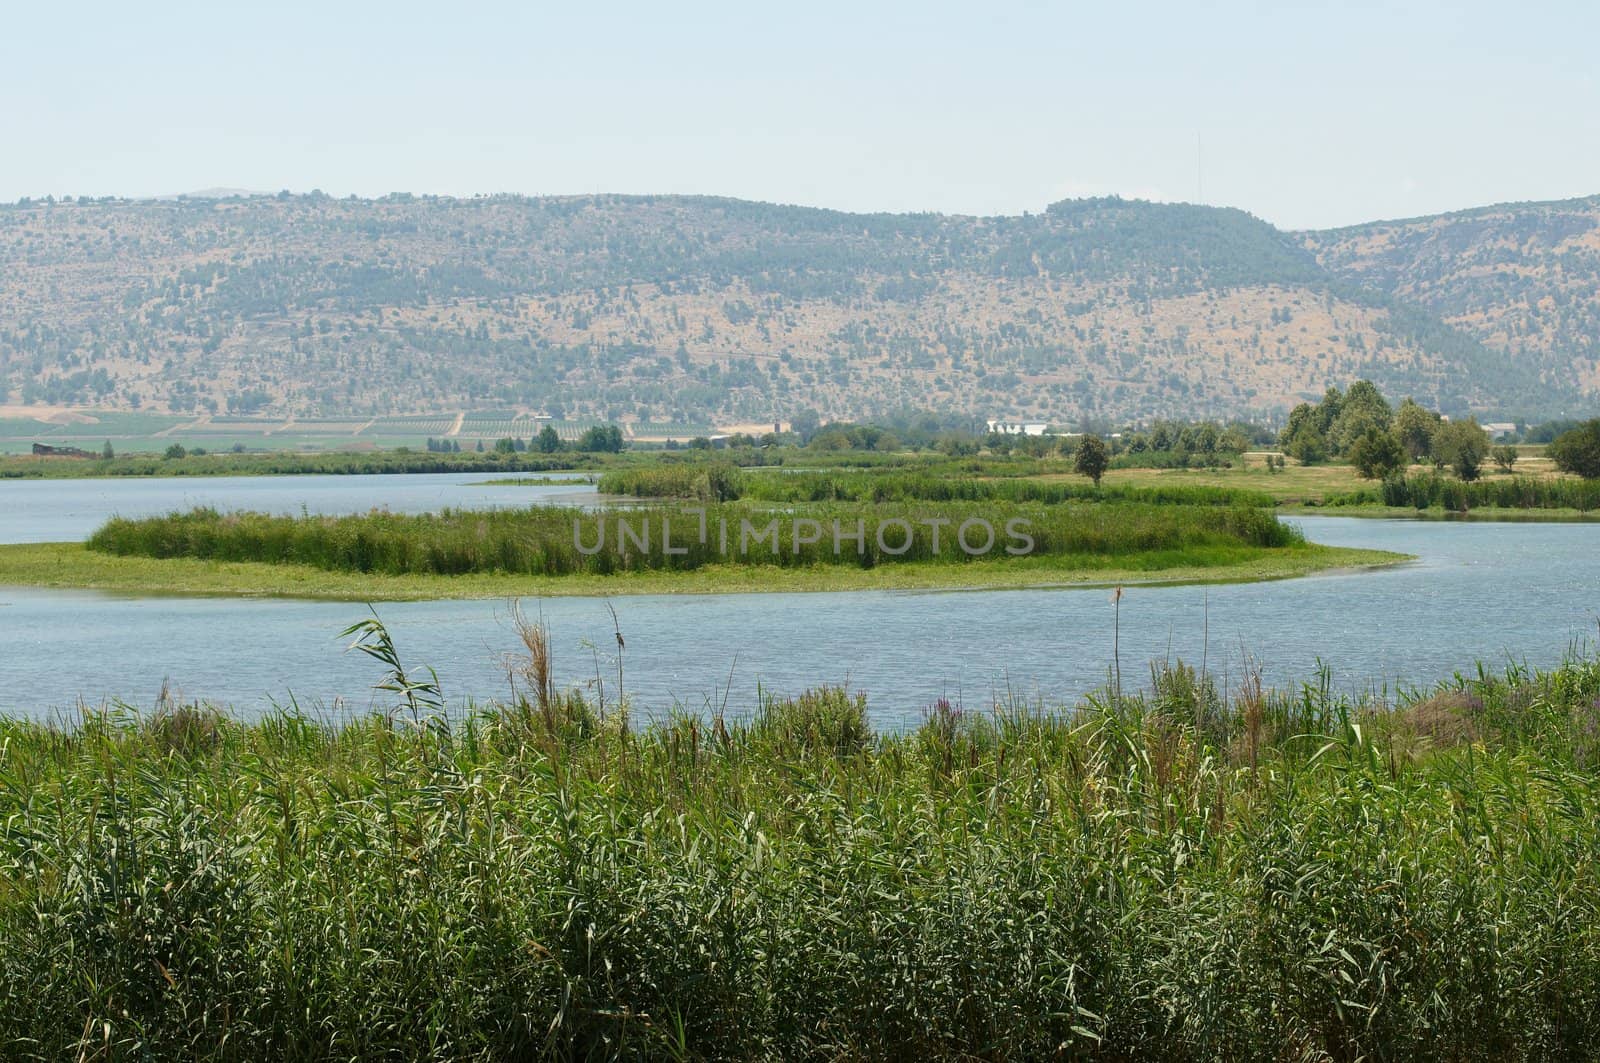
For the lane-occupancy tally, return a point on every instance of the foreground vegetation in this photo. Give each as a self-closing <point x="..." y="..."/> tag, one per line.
<point x="1170" y="875"/>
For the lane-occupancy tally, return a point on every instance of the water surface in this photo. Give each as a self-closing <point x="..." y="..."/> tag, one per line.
<point x="1480" y="590"/>
<point x="52" y="511"/>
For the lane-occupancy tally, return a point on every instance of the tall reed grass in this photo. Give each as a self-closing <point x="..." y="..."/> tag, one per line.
<point x="1245" y="874"/>
<point x="1432" y="491"/>
<point x="561" y="540"/>
<point x="944" y="485"/>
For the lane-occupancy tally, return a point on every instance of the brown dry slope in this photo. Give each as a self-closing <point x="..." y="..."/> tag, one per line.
<point x="1523" y="278"/>
<point x="691" y="309"/>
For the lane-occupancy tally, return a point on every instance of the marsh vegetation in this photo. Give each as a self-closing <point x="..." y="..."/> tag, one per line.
<point x="1189" y="872"/>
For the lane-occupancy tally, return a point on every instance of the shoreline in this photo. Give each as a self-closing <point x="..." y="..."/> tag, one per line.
<point x="1485" y="515"/>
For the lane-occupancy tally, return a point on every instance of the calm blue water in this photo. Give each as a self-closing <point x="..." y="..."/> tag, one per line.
<point x="54" y="511"/>
<point x="1491" y="591"/>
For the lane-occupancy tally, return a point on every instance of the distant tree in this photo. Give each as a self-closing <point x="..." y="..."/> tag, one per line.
<point x="106" y="452"/>
<point x="1462" y="445"/>
<point x="175" y="451"/>
<point x="997" y="443"/>
<point x="1307" y="446"/>
<point x="1304" y="438"/>
<point x="549" y="440"/>
<point x="1416" y="427"/>
<point x="1362" y="409"/>
<point x="700" y="443"/>
<point x="1377" y="454"/>
<point x="605" y="439"/>
<point x="1328" y="410"/>
<point x="1549" y="430"/>
<point x="805" y="424"/>
<point x="505" y="446"/>
<point x="956" y="446"/>
<point x="1235" y="438"/>
<point x="1505" y="457"/>
<point x="1092" y="458"/>
<point x="479" y="447"/>
<point x="1578" y="451"/>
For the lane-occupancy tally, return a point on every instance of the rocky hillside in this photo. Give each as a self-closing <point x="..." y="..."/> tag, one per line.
<point x="1522" y="278"/>
<point x="673" y="309"/>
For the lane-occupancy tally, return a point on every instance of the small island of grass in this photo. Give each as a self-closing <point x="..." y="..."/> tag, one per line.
<point x="712" y="548"/>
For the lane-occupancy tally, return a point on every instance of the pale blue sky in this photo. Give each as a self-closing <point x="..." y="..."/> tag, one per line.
<point x="1309" y="115"/>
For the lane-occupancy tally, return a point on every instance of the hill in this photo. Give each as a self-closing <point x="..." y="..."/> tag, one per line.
<point x="1521" y="278"/>
<point x="688" y="309"/>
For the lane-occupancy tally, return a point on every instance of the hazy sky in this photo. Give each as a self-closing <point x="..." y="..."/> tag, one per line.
<point x="1307" y="115"/>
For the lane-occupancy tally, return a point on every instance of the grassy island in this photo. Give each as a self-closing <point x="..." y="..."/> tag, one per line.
<point x="715" y="547"/>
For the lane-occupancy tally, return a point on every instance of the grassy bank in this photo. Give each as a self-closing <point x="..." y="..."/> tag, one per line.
<point x="1175" y="876"/>
<point x="72" y="566"/>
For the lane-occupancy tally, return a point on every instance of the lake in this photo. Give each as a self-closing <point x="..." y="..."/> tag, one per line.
<point x="1520" y="591"/>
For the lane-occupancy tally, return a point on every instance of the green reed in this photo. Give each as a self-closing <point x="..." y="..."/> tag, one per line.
<point x="561" y="540"/>
<point x="1191" y="873"/>
<point x="954" y="483"/>
<point x="1433" y="491"/>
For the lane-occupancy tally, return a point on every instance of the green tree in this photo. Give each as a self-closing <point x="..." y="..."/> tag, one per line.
<point x="1462" y="445"/>
<point x="805" y="424"/>
<point x="505" y="446"/>
<point x="1578" y="451"/>
<point x="1092" y="458"/>
<point x="549" y="439"/>
<point x="1416" y="427"/>
<point x="1328" y="410"/>
<point x="1377" y="454"/>
<point x="175" y="451"/>
<point x="603" y="439"/>
<point x="1505" y="457"/>
<point x="1303" y="438"/>
<point x="106" y="452"/>
<point x="1363" y="409"/>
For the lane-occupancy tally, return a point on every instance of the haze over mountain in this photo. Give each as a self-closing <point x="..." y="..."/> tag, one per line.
<point x="689" y="309"/>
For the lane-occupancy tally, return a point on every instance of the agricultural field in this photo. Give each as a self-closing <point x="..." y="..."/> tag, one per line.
<point x="134" y="433"/>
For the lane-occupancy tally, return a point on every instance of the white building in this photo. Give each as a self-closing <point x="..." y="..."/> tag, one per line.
<point x="1018" y="428"/>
